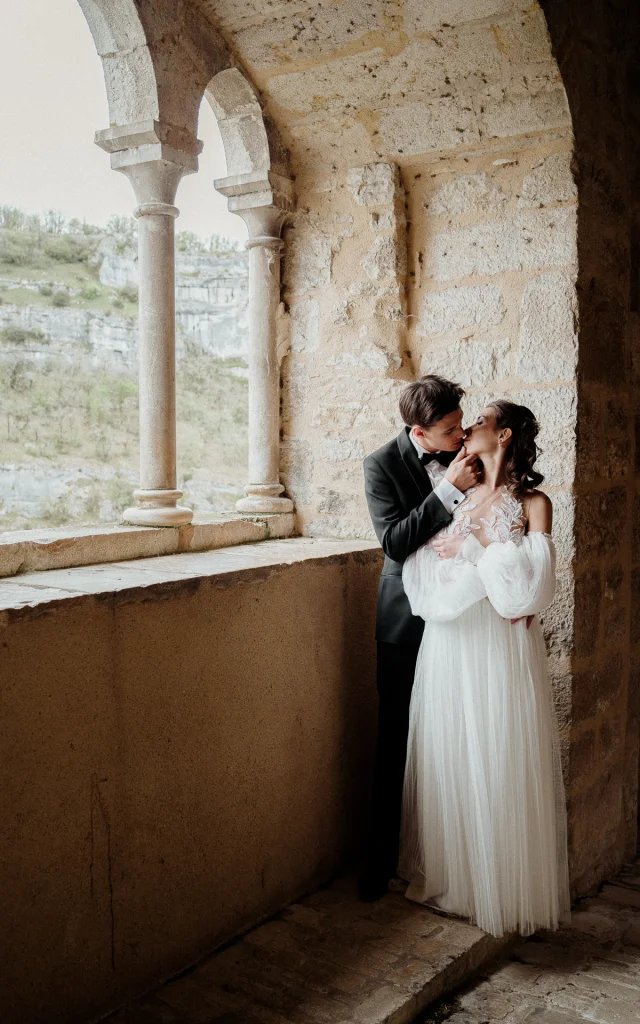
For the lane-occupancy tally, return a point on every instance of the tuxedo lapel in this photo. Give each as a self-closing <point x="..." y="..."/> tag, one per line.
<point x="412" y="462"/>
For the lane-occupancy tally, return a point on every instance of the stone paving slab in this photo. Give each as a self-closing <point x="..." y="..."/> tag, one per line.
<point x="586" y="972"/>
<point x="328" y="959"/>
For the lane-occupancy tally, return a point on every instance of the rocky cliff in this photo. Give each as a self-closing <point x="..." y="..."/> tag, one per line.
<point x="211" y="311"/>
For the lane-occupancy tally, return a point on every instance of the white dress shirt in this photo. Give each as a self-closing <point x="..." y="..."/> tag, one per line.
<point x="449" y="495"/>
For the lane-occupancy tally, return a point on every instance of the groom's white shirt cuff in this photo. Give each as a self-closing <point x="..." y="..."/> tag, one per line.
<point x="449" y="495"/>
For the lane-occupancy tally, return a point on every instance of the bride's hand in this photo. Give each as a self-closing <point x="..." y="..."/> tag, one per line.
<point x="448" y="545"/>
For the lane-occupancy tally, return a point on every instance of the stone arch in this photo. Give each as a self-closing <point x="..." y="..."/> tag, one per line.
<point x="129" y="74"/>
<point x="157" y="60"/>
<point x="251" y="145"/>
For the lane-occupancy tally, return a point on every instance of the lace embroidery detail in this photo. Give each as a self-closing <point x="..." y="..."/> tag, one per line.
<point x="506" y="523"/>
<point x="461" y="522"/>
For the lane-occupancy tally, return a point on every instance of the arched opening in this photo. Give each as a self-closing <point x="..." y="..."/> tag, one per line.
<point x="211" y="334"/>
<point x="68" y="383"/>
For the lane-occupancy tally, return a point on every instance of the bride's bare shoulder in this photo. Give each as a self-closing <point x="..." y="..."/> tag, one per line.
<point x="539" y="511"/>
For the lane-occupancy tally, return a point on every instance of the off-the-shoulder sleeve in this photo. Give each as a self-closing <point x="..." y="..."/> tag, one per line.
<point x="519" y="579"/>
<point x="440" y="589"/>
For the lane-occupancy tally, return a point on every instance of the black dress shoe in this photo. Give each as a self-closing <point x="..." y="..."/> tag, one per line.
<point x="373" y="884"/>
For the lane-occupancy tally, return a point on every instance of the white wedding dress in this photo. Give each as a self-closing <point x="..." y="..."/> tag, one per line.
<point x="484" y="818"/>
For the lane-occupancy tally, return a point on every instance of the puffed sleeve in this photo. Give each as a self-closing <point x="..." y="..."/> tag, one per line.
<point x="519" y="579"/>
<point x="440" y="589"/>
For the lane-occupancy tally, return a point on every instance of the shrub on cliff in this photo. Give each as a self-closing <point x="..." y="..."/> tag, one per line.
<point x="69" y="248"/>
<point x="17" y="335"/>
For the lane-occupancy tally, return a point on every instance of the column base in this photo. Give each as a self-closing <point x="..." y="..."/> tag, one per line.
<point x="158" y="508"/>
<point x="255" y="505"/>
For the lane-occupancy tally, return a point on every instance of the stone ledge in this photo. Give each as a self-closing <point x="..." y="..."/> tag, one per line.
<point x="327" y="958"/>
<point x="34" y="550"/>
<point x="160" y="576"/>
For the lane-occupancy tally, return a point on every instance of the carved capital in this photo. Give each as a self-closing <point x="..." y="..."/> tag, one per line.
<point x="262" y="199"/>
<point x="153" y="155"/>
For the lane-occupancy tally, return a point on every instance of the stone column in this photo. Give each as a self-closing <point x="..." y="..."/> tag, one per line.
<point x="262" y="203"/>
<point x="154" y="169"/>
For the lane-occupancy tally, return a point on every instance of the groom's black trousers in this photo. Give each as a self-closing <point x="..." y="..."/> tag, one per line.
<point x="395" y="674"/>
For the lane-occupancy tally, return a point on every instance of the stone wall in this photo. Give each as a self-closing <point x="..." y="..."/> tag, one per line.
<point x="458" y="262"/>
<point x="597" y="46"/>
<point x="436" y="229"/>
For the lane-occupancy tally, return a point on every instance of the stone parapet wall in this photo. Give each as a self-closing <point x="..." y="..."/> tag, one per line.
<point x="187" y="747"/>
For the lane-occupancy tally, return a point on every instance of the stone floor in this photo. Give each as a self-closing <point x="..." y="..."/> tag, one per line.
<point x="330" y="959"/>
<point x="588" y="972"/>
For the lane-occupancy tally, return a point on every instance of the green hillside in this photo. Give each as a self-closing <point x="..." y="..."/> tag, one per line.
<point x="58" y="414"/>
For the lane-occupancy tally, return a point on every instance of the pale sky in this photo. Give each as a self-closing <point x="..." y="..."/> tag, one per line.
<point x="53" y="101"/>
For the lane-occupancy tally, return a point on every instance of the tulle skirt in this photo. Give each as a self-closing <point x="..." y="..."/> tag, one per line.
<point x="484" y="818"/>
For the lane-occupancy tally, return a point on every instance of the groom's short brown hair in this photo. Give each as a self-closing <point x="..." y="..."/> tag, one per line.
<point x="428" y="399"/>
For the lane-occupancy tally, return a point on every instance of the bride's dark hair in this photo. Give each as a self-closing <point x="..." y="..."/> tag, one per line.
<point x="523" y="450"/>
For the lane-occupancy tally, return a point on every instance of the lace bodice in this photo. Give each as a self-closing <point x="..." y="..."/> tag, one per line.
<point x="506" y="522"/>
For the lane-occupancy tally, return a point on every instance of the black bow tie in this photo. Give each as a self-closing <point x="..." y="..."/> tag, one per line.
<point x="444" y="458"/>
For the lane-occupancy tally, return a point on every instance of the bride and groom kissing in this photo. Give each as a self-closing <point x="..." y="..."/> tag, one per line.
<point x="468" y="798"/>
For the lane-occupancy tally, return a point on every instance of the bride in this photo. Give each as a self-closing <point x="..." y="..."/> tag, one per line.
<point x="484" y="820"/>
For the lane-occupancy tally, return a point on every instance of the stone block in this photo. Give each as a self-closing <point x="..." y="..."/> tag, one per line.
<point x="341" y="313"/>
<point x="615" y="606"/>
<point x="588" y="602"/>
<point x="305" y="326"/>
<point x="517" y="111"/>
<point x="472" y="363"/>
<point x="373" y="184"/>
<point x="555" y="409"/>
<point x="295" y="391"/>
<point x="551" y="182"/>
<point x="341" y="449"/>
<point x="340" y="528"/>
<point x="531" y="238"/>
<point x="597" y="689"/>
<point x="307" y="262"/>
<point x="634" y="688"/>
<point x="603" y="315"/>
<point x="381" y="260"/>
<point x="384" y="221"/>
<point x="548" y="335"/>
<point x="557" y="620"/>
<point x="275" y="37"/>
<point x="465" y="194"/>
<point x="332" y="502"/>
<point x="589" y="432"/>
<point x="582" y="755"/>
<point x="296" y="469"/>
<point x="421" y="17"/>
<point x="458" y="308"/>
<point x="635" y="553"/>
<point x="635" y="604"/>
<point x="601" y="519"/>
<point x="563" y="528"/>
<point x="414" y="128"/>
<point x="611" y="737"/>
<point x="595" y="817"/>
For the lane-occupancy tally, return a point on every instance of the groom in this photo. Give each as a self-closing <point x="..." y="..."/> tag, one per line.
<point x="413" y="485"/>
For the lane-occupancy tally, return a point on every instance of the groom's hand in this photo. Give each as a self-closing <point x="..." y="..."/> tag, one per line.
<point x="463" y="471"/>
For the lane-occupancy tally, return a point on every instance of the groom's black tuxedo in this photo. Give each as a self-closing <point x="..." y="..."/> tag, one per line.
<point x="405" y="514"/>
